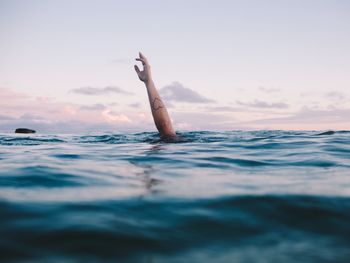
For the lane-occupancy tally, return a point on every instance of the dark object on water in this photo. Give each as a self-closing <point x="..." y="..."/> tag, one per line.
<point x="327" y="133"/>
<point x="24" y="130"/>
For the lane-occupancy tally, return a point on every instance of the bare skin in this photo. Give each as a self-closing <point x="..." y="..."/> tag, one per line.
<point x="160" y="114"/>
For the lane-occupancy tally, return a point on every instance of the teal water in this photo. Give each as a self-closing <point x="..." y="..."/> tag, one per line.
<point x="262" y="196"/>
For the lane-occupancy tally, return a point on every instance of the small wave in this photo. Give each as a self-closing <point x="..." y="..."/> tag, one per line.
<point x="67" y="156"/>
<point x="332" y="132"/>
<point x="236" y="161"/>
<point x="112" y="139"/>
<point x="29" y="140"/>
<point x="326" y="133"/>
<point x="43" y="176"/>
<point x="150" y="137"/>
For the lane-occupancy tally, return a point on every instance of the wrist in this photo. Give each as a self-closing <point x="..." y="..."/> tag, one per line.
<point x="148" y="81"/>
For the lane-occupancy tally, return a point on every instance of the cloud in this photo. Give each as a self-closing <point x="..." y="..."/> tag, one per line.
<point x="31" y="117"/>
<point x="315" y="116"/>
<point x="92" y="91"/>
<point x="223" y="109"/>
<point x="112" y="117"/>
<point x="307" y="119"/>
<point x="50" y="116"/>
<point x="269" y="90"/>
<point x="135" y="105"/>
<point x="264" y="105"/>
<point x="95" y="107"/>
<point x="5" y="118"/>
<point x="335" y="96"/>
<point x="8" y="94"/>
<point x="177" y="92"/>
<point x="202" y="121"/>
<point x="71" y="126"/>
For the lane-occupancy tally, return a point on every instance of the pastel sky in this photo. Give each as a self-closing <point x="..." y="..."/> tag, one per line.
<point x="67" y="66"/>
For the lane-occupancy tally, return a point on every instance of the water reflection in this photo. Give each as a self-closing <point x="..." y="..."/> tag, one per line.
<point x="148" y="170"/>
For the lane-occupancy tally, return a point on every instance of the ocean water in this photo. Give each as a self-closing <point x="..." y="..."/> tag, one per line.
<point x="261" y="196"/>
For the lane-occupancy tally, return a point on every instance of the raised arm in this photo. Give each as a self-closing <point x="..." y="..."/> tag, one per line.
<point x="160" y="114"/>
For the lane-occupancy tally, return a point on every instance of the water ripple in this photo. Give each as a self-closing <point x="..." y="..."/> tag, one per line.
<point x="236" y="196"/>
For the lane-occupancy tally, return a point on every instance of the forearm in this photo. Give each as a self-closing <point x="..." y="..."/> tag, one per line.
<point x="160" y="114"/>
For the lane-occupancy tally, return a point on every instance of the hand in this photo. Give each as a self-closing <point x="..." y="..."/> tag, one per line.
<point x="145" y="74"/>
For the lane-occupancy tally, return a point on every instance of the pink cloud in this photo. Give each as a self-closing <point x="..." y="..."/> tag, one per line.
<point x="113" y="117"/>
<point x="20" y="109"/>
<point x="48" y="115"/>
<point x="307" y="119"/>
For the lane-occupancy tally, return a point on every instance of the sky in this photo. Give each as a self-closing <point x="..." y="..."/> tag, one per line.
<point x="67" y="66"/>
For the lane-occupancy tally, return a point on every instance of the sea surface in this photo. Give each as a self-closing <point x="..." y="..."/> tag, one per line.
<point x="238" y="196"/>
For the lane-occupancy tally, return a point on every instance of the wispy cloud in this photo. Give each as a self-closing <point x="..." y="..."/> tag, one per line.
<point x="5" y="118"/>
<point x="93" y="91"/>
<point x="264" y="104"/>
<point x="223" y="109"/>
<point x="306" y="119"/>
<point x="335" y="96"/>
<point x="51" y="116"/>
<point x="135" y="105"/>
<point x="269" y="89"/>
<point x="72" y="126"/>
<point x="202" y="121"/>
<point x="21" y="110"/>
<point x="115" y="117"/>
<point x="95" y="107"/>
<point x="7" y="95"/>
<point x="315" y="116"/>
<point x="31" y="117"/>
<point x="176" y="92"/>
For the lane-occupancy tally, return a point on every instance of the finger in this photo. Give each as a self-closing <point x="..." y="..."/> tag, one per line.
<point x="142" y="56"/>
<point x="137" y="69"/>
<point x="141" y="60"/>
